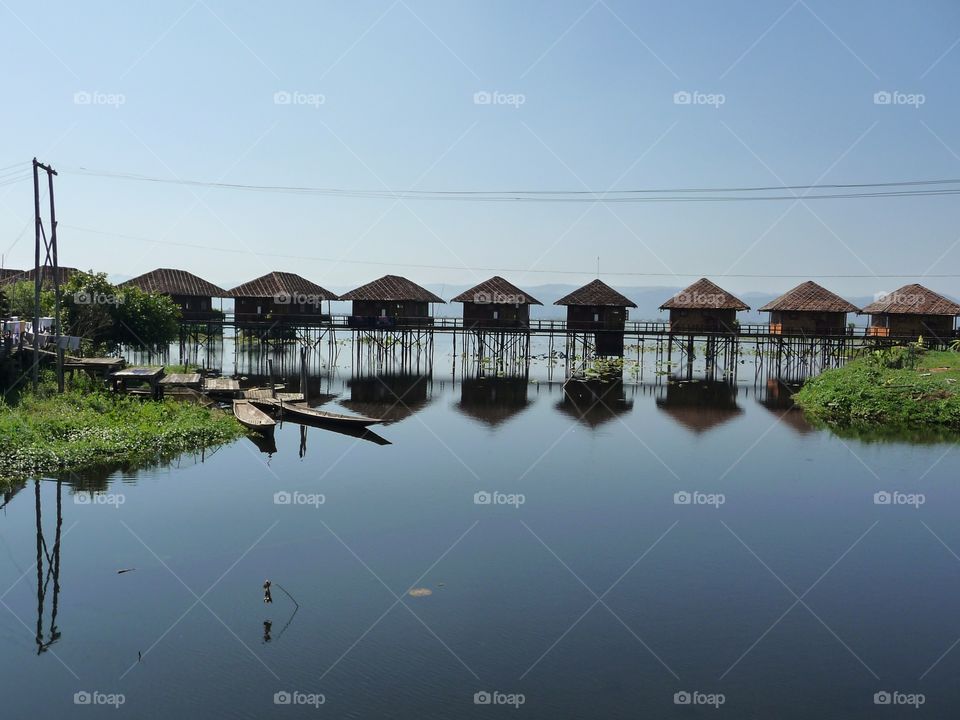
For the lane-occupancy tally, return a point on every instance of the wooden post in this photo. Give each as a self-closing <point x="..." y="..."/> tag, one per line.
<point x="36" y="279"/>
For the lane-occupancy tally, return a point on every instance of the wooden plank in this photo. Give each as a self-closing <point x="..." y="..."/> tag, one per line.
<point x="138" y="373"/>
<point x="182" y="379"/>
<point x="264" y="393"/>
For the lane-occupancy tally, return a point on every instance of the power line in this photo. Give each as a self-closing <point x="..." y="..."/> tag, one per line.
<point x="422" y="266"/>
<point x="879" y="190"/>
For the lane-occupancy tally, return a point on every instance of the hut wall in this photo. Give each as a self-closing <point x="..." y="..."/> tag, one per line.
<point x="604" y="317"/>
<point x="809" y="323"/>
<point x="402" y="312"/>
<point x="195" y="307"/>
<point x="703" y="320"/>
<point x="264" y="308"/>
<point x="914" y="326"/>
<point x="495" y="315"/>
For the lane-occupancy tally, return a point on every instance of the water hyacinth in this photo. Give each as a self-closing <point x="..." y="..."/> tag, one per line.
<point x="46" y="433"/>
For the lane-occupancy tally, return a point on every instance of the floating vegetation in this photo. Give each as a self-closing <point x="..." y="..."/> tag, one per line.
<point x="419" y="592"/>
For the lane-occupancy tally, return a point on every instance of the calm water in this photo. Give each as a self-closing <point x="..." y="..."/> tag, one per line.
<point x="782" y="585"/>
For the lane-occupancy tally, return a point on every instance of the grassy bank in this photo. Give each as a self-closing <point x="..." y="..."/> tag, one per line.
<point x="86" y="427"/>
<point x="899" y="388"/>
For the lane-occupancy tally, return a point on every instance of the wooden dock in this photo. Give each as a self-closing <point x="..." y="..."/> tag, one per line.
<point x="266" y="394"/>
<point x="193" y="381"/>
<point x="224" y="387"/>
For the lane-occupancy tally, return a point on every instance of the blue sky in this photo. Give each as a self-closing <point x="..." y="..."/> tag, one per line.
<point x="398" y="80"/>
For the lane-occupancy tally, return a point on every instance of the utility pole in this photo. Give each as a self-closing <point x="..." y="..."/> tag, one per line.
<point x="49" y="261"/>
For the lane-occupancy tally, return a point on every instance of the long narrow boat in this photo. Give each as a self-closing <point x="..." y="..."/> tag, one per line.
<point x="308" y="416"/>
<point x="254" y="418"/>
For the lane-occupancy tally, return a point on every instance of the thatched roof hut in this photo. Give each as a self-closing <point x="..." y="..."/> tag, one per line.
<point x="596" y="293"/>
<point x="391" y="301"/>
<point x="496" y="303"/>
<point x="280" y="294"/>
<point x="704" y="307"/>
<point x="911" y="312"/>
<point x="192" y="294"/>
<point x="599" y="308"/>
<point x="809" y="308"/>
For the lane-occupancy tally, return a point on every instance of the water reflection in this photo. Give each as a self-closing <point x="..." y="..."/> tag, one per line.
<point x="777" y="397"/>
<point x="389" y="397"/>
<point x="700" y="406"/>
<point x="594" y="403"/>
<point x="493" y="400"/>
<point x="48" y="568"/>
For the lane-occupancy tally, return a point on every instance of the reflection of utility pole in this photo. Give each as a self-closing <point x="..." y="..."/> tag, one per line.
<point x="52" y="570"/>
<point x="49" y="262"/>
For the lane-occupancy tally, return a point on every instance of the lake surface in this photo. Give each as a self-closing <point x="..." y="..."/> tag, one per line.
<point x="685" y="538"/>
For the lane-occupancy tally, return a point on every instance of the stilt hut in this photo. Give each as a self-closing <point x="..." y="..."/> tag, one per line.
<point x="280" y="296"/>
<point x="496" y="303"/>
<point x="192" y="294"/>
<point x="809" y="309"/>
<point x="596" y="306"/>
<point x="911" y="312"/>
<point x="704" y="307"/>
<point x="391" y="301"/>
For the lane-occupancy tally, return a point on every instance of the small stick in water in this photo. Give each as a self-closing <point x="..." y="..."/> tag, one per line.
<point x="267" y="597"/>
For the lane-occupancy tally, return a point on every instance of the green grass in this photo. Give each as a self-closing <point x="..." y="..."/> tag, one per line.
<point x="894" y="390"/>
<point x="86" y="427"/>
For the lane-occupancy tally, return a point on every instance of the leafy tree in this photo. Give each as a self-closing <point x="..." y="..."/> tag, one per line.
<point x="20" y="298"/>
<point x="145" y="318"/>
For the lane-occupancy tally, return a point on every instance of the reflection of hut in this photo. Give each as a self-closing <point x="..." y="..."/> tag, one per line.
<point x="280" y="295"/>
<point x="391" y="301"/>
<point x="496" y="303"/>
<point x="704" y="307"/>
<point x="599" y="308"/>
<point x="192" y="294"/>
<point x="809" y="309"/>
<point x="593" y="403"/>
<point x="700" y="406"/>
<point x="390" y="397"/>
<point x="911" y="312"/>
<point x="493" y="400"/>
<point x="778" y="399"/>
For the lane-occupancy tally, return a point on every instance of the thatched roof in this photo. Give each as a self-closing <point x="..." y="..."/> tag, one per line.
<point x="594" y="294"/>
<point x="496" y="290"/>
<point x="809" y="297"/>
<point x="392" y="288"/>
<point x="167" y="281"/>
<point x="9" y="275"/>
<point x="63" y="275"/>
<point x="704" y="295"/>
<point x="912" y="300"/>
<point x="274" y="284"/>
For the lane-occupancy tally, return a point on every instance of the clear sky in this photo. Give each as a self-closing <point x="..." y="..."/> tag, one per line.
<point x="383" y="95"/>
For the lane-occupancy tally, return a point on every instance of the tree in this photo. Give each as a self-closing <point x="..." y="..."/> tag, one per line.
<point x="20" y="296"/>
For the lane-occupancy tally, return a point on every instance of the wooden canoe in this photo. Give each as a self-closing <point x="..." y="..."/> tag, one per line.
<point x="308" y="416"/>
<point x="253" y="418"/>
